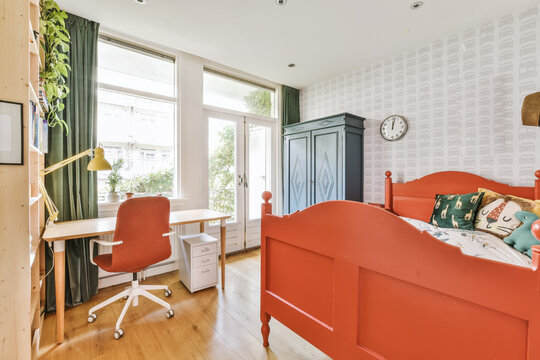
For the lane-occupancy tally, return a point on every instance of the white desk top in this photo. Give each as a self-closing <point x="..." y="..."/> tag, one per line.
<point x="68" y="230"/>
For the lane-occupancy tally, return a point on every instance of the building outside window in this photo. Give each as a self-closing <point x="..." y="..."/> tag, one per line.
<point x="136" y="117"/>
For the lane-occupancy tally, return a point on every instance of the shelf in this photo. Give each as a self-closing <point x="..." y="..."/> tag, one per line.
<point x="35" y="98"/>
<point x="35" y="149"/>
<point x="34" y="249"/>
<point x="35" y="199"/>
<point x="33" y="94"/>
<point x="34" y="43"/>
<point x="41" y="278"/>
<point x="34" y="304"/>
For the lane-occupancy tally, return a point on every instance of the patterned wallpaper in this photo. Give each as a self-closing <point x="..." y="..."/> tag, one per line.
<point x="462" y="98"/>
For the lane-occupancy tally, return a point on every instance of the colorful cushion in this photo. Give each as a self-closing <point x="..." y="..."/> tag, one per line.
<point x="456" y="211"/>
<point x="522" y="238"/>
<point x="496" y="212"/>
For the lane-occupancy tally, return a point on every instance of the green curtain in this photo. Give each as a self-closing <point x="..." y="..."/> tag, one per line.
<point x="73" y="188"/>
<point x="290" y="105"/>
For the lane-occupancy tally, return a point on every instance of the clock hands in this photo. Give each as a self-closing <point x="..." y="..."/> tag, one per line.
<point x="393" y="121"/>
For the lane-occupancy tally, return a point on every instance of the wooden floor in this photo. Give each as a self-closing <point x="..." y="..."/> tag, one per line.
<point x="210" y="324"/>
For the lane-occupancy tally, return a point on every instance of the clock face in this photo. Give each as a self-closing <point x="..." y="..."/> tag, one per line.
<point x="394" y="128"/>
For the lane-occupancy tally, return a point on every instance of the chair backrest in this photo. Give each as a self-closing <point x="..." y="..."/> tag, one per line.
<point x="140" y="224"/>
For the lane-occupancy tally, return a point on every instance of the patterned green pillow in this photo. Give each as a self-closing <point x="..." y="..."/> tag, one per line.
<point x="456" y="211"/>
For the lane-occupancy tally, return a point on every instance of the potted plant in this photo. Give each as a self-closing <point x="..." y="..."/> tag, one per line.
<point x="113" y="180"/>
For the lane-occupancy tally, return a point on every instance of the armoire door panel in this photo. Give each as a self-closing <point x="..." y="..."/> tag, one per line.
<point x="354" y="165"/>
<point x="326" y="164"/>
<point x="297" y="172"/>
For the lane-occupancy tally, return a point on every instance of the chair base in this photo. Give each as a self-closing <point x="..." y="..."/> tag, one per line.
<point x="132" y="293"/>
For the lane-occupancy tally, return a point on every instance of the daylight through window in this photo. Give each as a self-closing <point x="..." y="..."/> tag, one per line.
<point x="136" y="120"/>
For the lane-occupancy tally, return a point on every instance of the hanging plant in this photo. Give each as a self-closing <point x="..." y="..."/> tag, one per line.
<point x="55" y="43"/>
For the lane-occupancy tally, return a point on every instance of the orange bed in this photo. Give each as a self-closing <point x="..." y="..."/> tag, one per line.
<point x="358" y="282"/>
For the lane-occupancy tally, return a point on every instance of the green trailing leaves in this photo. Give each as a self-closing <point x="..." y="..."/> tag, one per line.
<point x="56" y="68"/>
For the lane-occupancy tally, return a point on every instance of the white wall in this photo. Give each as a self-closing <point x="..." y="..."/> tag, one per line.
<point x="462" y="96"/>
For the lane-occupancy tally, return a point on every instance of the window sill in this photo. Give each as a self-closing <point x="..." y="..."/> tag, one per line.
<point x="108" y="207"/>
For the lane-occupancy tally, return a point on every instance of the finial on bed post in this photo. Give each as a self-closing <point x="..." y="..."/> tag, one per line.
<point x="388" y="191"/>
<point x="266" y="207"/>
<point x="537" y="185"/>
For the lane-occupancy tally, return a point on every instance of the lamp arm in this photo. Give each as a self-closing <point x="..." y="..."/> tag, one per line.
<point x="63" y="163"/>
<point x="49" y="204"/>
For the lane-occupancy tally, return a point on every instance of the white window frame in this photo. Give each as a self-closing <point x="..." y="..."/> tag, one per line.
<point x="107" y="207"/>
<point x="276" y="104"/>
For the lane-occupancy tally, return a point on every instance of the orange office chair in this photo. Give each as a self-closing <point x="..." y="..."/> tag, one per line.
<point x="141" y="238"/>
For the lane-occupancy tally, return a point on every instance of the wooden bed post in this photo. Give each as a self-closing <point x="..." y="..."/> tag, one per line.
<point x="266" y="206"/>
<point x="266" y="209"/>
<point x="388" y="191"/>
<point x="537" y="185"/>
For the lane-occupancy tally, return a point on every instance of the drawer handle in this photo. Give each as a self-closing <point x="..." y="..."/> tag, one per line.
<point x="205" y="250"/>
<point x="205" y="271"/>
<point x="206" y="260"/>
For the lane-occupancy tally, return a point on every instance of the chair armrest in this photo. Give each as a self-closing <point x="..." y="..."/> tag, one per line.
<point x="100" y="242"/>
<point x="169" y="233"/>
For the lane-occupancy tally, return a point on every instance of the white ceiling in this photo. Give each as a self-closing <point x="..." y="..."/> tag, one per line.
<point x="323" y="38"/>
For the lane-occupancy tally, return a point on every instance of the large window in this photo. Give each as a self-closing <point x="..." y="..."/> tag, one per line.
<point x="136" y="118"/>
<point x="227" y="92"/>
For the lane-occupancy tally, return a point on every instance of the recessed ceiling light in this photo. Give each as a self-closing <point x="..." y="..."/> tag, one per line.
<point x="142" y="2"/>
<point x="291" y="65"/>
<point x="281" y="2"/>
<point x="417" y="5"/>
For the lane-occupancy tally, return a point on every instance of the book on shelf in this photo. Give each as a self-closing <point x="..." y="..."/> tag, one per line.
<point x="39" y="128"/>
<point x="43" y="98"/>
<point x="45" y="136"/>
<point x="34" y="124"/>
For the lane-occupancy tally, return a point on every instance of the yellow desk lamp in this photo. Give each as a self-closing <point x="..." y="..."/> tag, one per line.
<point x="96" y="164"/>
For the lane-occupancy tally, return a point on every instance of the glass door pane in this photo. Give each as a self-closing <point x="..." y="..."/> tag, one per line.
<point x="259" y="167"/>
<point x="222" y="166"/>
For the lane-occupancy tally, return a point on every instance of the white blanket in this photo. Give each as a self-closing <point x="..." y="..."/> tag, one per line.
<point x="475" y="243"/>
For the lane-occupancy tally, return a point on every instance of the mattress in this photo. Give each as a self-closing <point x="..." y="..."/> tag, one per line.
<point x="475" y="243"/>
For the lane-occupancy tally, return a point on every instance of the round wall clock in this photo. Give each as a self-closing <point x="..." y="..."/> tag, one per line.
<point x="394" y="128"/>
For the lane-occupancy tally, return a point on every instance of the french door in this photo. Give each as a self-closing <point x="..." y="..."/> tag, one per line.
<point x="241" y="166"/>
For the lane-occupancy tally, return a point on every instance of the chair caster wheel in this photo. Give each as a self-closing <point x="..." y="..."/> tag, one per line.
<point x="169" y="314"/>
<point x="126" y="297"/>
<point x="168" y="293"/>
<point x="92" y="318"/>
<point x="118" y="334"/>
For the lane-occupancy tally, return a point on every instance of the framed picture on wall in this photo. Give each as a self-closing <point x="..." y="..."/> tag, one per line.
<point x="11" y="133"/>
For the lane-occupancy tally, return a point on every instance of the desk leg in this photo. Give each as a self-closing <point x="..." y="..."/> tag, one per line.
<point x="223" y="242"/>
<point x="59" y="286"/>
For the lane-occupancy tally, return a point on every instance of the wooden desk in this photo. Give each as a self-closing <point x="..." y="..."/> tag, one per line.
<point x="70" y="230"/>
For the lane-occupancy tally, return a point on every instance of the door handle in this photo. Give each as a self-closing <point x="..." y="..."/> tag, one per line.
<point x="245" y="181"/>
<point x="240" y="180"/>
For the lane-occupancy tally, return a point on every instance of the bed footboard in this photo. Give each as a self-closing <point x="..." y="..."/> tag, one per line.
<point x="358" y="282"/>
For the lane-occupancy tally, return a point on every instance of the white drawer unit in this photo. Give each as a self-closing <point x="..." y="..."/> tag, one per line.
<point x="198" y="261"/>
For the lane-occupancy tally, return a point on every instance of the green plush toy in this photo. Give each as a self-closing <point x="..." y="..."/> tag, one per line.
<point x="522" y="238"/>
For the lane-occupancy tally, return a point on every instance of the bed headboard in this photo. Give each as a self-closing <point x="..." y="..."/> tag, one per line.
<point x="415" y="199"/>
